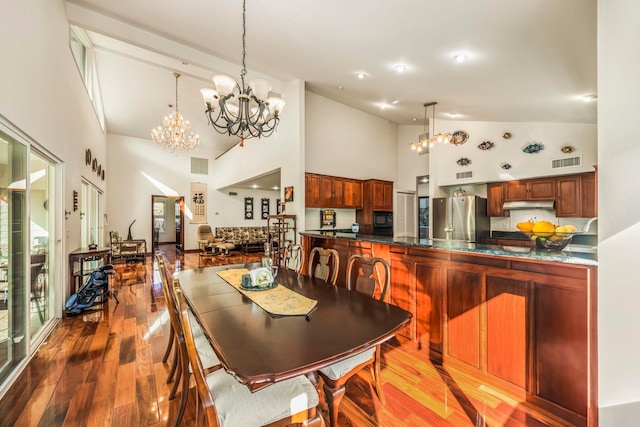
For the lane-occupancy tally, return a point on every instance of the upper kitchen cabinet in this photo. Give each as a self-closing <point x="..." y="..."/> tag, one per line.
<point x="324" y="191"/>
<point x="574" y="195"/>
<point x="531" y="189"/>
<point x="577" y="196"/>
<point x="380" y="193"/>
<point x="495" y="199"/>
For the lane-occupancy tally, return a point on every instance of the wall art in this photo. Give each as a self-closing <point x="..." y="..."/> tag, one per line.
<point x="248" y="208"/>
<point x="506" y="135"/>
<point x="463" y="161"/>
<point x="265" y="208"/>
<point x="288" y="194"/>
<point x="486" y="145"/>
<point x="505" y="166"/>
<point x="459" y="137"/>
<point x="534" y="147"/>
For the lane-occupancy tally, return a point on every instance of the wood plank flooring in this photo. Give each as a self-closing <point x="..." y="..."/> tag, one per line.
<point x="105" y="368"/>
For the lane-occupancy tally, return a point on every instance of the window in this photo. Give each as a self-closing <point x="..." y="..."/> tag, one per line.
<point x="82" y="51"/>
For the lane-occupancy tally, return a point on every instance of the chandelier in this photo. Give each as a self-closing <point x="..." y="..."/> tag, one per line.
<point x="236" y="109"/>
<point x="175" y="133"/>
<point x="424" y="142"/>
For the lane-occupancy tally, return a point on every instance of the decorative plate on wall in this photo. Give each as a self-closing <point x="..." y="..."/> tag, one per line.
<point x="486" y="145"/>
<point x="506" y="135"/>
<point x="505" y="166"/>
<point x="568" y="149"/>
<point x="459" y="137"/>
<point x="463" y="161"/>
<point x="533" y="148"/>
<point x="87" y="156"/>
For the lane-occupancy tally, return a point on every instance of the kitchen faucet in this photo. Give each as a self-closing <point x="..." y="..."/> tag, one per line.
<point x="586" y="227"/>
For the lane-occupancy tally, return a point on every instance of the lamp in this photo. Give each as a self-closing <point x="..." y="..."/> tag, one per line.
<point x="424" y="142"/>
<point x="175" y="133"/>
<point x="236" y="109"/>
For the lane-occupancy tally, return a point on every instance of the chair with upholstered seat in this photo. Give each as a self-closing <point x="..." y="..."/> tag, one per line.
<point x="369" y="276"/>
<point x="225" y="402"/>
<point x="324" y="264"/>
<point x="208" y="243"/>
<point x="293" y="257"/>
<point x="180" y="364"/>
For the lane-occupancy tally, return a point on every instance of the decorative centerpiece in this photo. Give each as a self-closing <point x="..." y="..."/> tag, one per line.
<point x="258" y="279"/>
<point x="546" y="235"/>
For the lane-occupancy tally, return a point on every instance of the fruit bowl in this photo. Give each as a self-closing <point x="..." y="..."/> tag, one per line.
<point x="554" y="242"/>
<point x="547" y="235"/>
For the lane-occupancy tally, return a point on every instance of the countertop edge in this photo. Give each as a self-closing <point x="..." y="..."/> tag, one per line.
<point x="565" y="257"/>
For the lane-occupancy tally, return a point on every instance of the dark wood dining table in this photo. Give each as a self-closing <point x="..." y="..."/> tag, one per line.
<point x="258" y="348"/>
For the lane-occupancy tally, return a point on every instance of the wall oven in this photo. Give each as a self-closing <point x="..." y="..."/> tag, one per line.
<point x="383" y="223"/>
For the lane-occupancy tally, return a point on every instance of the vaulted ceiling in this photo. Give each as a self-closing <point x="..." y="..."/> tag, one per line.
<point x="529" y="61"/>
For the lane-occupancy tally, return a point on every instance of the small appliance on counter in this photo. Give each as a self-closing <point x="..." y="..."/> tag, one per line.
<point x="460" y="218"/>
<point x="383" y="223"/>
<point x="327" y="218"/>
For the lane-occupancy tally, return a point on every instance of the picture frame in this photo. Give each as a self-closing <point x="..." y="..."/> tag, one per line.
<point x="265" y="208"/>
<point x="248" y="208"/>
<point x="288" y="194"/>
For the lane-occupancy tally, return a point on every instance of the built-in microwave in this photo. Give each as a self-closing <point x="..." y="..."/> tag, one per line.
<point x="382" y="219"/>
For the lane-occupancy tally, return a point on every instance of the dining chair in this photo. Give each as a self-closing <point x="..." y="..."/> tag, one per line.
<point x="180" y="366"/>
<point x="293" y="257"/>
<point x="364" y="276"/>
<point x="326" y="265"/>
<point x="225" y="402"/>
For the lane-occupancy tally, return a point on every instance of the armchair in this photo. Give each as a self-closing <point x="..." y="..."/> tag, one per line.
<point x="208" y="243"/>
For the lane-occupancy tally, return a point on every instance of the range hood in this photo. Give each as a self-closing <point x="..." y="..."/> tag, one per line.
<point x="529" y="204"/>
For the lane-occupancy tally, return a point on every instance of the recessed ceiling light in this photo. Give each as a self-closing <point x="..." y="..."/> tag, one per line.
<point x="361" y="75"/>
<point x="275" y="187"/>
<point x="395" y="102"/>
<point x="413" y="119"/>
<point x="254" y="186"/>
<point x="461" y="57"/>
<point x="384" y="105"/>
<point x="589" y="98"/>
<point x="453" y="115"/>
<point x="340" y="87"/>
<point x="401" y="68"/>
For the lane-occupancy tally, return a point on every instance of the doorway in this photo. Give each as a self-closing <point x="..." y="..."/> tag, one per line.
<point x="167" y="220"/>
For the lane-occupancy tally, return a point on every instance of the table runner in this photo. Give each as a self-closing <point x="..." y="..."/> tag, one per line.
<point x="279" y="301"/>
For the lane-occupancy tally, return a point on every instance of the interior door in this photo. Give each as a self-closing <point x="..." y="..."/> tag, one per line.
<point x="179" y="214"/>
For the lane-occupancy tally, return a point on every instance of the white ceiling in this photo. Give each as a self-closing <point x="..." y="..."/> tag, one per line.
<point x="528" y="61"/>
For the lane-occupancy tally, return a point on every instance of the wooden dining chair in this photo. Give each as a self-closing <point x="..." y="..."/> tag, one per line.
<point x="324" y="264"/>
<point x="180" y="365"/>
<point x="225" y="402"/>
<point x="363" y="275"/>
<point x="293" y="255"/>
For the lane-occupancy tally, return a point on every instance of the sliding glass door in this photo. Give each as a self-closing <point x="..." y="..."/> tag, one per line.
<point x="14" y="251"/>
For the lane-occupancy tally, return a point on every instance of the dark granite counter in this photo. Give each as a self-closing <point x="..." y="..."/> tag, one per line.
<point x="565" y="256"/>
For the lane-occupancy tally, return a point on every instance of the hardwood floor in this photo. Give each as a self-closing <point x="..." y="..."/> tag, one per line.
<point x="104" y="368"/>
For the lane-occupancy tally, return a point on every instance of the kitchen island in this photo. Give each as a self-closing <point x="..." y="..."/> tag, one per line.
<point x="520" y="320"/>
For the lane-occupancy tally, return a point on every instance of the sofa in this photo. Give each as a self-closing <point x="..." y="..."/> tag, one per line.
<point x="246" y="238"/>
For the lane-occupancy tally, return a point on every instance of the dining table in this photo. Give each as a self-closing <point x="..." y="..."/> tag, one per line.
<point x="260" y="348"/>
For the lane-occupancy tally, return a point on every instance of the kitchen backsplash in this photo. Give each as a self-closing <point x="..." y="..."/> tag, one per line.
<point x="509" y="223"/>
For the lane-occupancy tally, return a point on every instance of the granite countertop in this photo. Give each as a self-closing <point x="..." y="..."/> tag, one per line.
<point x="565" y="256"/>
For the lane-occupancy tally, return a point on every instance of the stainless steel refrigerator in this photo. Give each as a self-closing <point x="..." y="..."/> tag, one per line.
<point x="460" y="218"/>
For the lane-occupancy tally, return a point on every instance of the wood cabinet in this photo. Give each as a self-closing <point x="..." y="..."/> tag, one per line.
<point x="577" y="196"/>
<point x="495" y="199"/>
<point x="508" y="242"/>
<point x="534" y="189"/>
<point x="381" y="195"/>
<point x="325" y="191"/>
<point x="574" y="195"/>
<point x="527" y="327"/>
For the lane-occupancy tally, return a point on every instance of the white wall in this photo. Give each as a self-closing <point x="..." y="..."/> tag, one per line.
<point x="42" y="94"/>
<point x="619" y="212"/>
<point x="410" y="163"/>
<point x="343" y="141"/>
<point x="229" y="212"/>
<point x="485" y="164"/>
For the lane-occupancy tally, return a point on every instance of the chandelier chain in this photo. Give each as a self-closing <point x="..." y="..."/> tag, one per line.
<point x="243" y="72"/>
